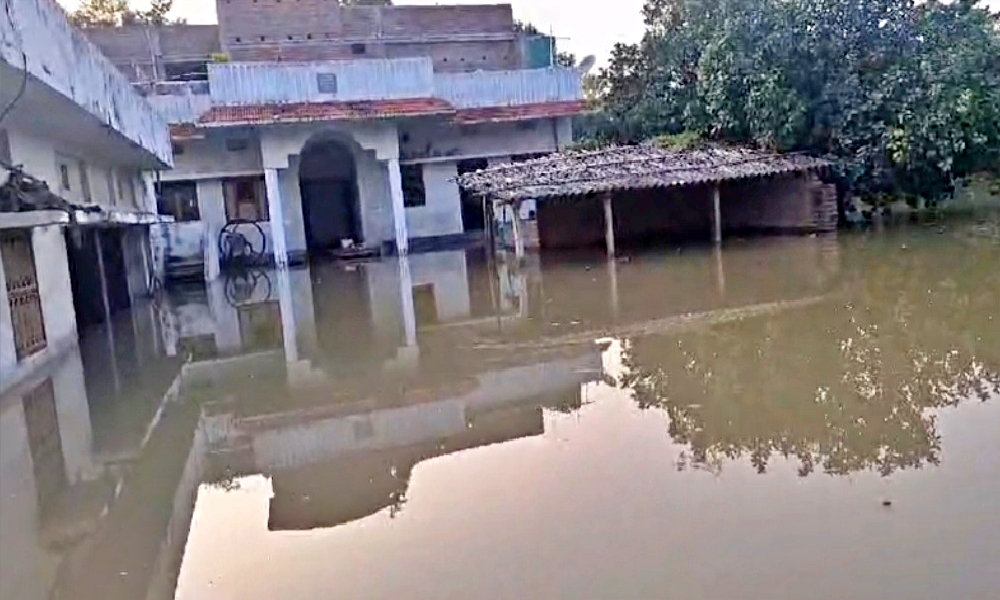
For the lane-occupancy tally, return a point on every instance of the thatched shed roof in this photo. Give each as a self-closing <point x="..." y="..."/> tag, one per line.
<point x="577" y="173"/>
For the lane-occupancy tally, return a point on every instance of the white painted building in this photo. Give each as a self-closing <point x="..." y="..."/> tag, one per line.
<point x="364" y="164"/>
<point x="343" y="134"/>
<point x="71" y="120"/>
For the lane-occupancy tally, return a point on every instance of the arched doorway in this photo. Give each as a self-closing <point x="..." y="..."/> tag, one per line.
<point x="328" y="180"/>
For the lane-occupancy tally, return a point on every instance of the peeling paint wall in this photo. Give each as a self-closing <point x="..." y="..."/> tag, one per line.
<point x="37" y="33"/>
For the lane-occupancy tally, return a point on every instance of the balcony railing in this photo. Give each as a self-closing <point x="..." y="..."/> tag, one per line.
<point x="330" y="81"/>
<point x="36" y="32"/>
<point x="244" y="84"/>
<point x="508" y="88"/>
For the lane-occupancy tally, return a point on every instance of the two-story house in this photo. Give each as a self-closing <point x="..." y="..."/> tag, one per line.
<point x="71" y="122"/>
<point x="309" y="126"/>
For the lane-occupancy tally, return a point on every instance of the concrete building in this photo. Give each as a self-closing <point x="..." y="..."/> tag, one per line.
<point x="345" y="124"/>
<point x="71" y="121"/>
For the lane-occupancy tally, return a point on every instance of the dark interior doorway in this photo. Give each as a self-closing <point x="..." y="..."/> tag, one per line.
<point x="473" y="218"/>
<point x="330" y="207"/>
<point x="83" y="245"/>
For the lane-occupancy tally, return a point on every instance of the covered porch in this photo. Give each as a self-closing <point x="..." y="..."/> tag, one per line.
<point x="636" y="194"/>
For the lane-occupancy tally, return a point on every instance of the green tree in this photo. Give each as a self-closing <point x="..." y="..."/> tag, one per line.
<point x="904" y="96"/>
<point x="115" y="13"/>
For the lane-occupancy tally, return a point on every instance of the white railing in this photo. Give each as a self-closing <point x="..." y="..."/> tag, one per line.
<point x="508" y="88"/>
<point x="36" y="33"/>
<point x="237" y="84"/>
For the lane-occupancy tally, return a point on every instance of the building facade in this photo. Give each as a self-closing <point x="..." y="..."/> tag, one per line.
<point x="346" y="125"/>
<point x="71" y="121"/>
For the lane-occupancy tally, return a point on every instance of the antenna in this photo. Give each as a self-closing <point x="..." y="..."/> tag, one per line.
<point x="587" y="64"/>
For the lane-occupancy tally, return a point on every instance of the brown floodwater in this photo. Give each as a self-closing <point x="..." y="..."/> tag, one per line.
<point x="807" y="418"/>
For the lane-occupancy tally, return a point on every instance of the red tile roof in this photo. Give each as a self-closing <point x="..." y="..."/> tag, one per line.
<point x="500" y="114"/>
<point x="305" y="112"/>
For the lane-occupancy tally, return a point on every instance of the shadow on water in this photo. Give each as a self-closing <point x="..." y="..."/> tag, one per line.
<point x="340" y="386"/>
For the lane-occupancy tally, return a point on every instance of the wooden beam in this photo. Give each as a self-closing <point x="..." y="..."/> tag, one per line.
<point x="518" y="233"/>
<point x="609" y="225"/>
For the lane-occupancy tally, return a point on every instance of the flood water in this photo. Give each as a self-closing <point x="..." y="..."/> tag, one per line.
<point x="808" y="418"/>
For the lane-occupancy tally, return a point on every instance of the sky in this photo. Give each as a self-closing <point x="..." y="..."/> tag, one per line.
<point x="579" y="28"/>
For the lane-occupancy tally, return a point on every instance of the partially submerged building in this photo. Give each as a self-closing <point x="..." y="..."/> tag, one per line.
<point x="348" y="125"/>
<point x="75" y="142"/>
<point x="639" y="193"/>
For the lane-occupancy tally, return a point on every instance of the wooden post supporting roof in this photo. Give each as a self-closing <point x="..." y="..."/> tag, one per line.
<point x="716" y="215"/>
<point x="518" y="233"/>
<point x="609" y="225"/>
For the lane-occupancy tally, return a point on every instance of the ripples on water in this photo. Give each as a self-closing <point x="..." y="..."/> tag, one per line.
<point x="800" y="418"/>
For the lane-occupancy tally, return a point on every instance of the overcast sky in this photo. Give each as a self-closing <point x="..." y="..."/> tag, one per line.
<point x="582" y="29"/>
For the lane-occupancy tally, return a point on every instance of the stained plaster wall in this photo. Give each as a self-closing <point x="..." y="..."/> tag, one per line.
<point x="60" y="57"/>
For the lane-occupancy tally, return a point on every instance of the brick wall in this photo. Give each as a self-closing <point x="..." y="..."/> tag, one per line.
<point x="323" y="30"/>
<point x="457" y="38"/>
<point x="790" y="203"/>
<point x="134" y="49"/>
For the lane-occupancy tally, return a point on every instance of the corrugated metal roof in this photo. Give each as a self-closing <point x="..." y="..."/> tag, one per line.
<point x="305" y="112"/>
<point x="629" y="167"/>
<point x="501" y="114"/>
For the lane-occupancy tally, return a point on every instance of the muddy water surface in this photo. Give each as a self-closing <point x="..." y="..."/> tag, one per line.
<point x="799" y="418"/>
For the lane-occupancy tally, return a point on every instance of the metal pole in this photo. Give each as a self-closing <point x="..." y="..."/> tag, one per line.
<point x="108" y="326"/>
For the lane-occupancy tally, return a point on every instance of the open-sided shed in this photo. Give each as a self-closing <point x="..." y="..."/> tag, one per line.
<point x="646" y="191"/>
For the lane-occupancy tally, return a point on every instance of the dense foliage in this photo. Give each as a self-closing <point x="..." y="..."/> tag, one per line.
<point x="905" y="96"/>
<point x="114" y="13"/>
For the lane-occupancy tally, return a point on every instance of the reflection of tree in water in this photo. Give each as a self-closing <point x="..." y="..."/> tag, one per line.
<point x="841" y="387"/>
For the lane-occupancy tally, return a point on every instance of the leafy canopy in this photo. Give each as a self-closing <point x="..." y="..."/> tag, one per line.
<point x="115" y="13"/>
<point x="905" y="96"/>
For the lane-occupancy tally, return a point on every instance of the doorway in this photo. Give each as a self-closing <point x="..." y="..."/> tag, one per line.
<point x="473" y="218"/>
<point x="330" y="208"/>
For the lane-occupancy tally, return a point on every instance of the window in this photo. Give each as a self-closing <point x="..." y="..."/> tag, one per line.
<point x="327" y="83"/>
<point x="245" y="199"/>
<point x="413" y="185"/>
<point x="64" y="182"/>
<point x="358" y="49"/>
<point x="84" y="181"/>
<point x="126" y="188"/>
<point x="112" y="191"/>
<point x="237" y="144"/>
<point x="179" y="199"/>
<point x="196" y="70"/>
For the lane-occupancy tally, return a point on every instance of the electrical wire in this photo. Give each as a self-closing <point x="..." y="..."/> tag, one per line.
<point x="24" y="59"/>
<point x="20" y="92"/>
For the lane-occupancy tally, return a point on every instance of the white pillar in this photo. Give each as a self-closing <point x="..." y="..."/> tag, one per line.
<point x="613" y="287"/>
<point x="716" y="215"/>
<point x="406" y="297"/>
<point x="609" y="226"/>
<point x="720" y="272"/>
<point x="398" y="209"/>
<point x="277" y="214"/>
<point x="289" y="331"/>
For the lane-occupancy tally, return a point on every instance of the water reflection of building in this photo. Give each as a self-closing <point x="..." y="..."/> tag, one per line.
<point x="344" y="380"/>
<point x="67" y="442"/>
